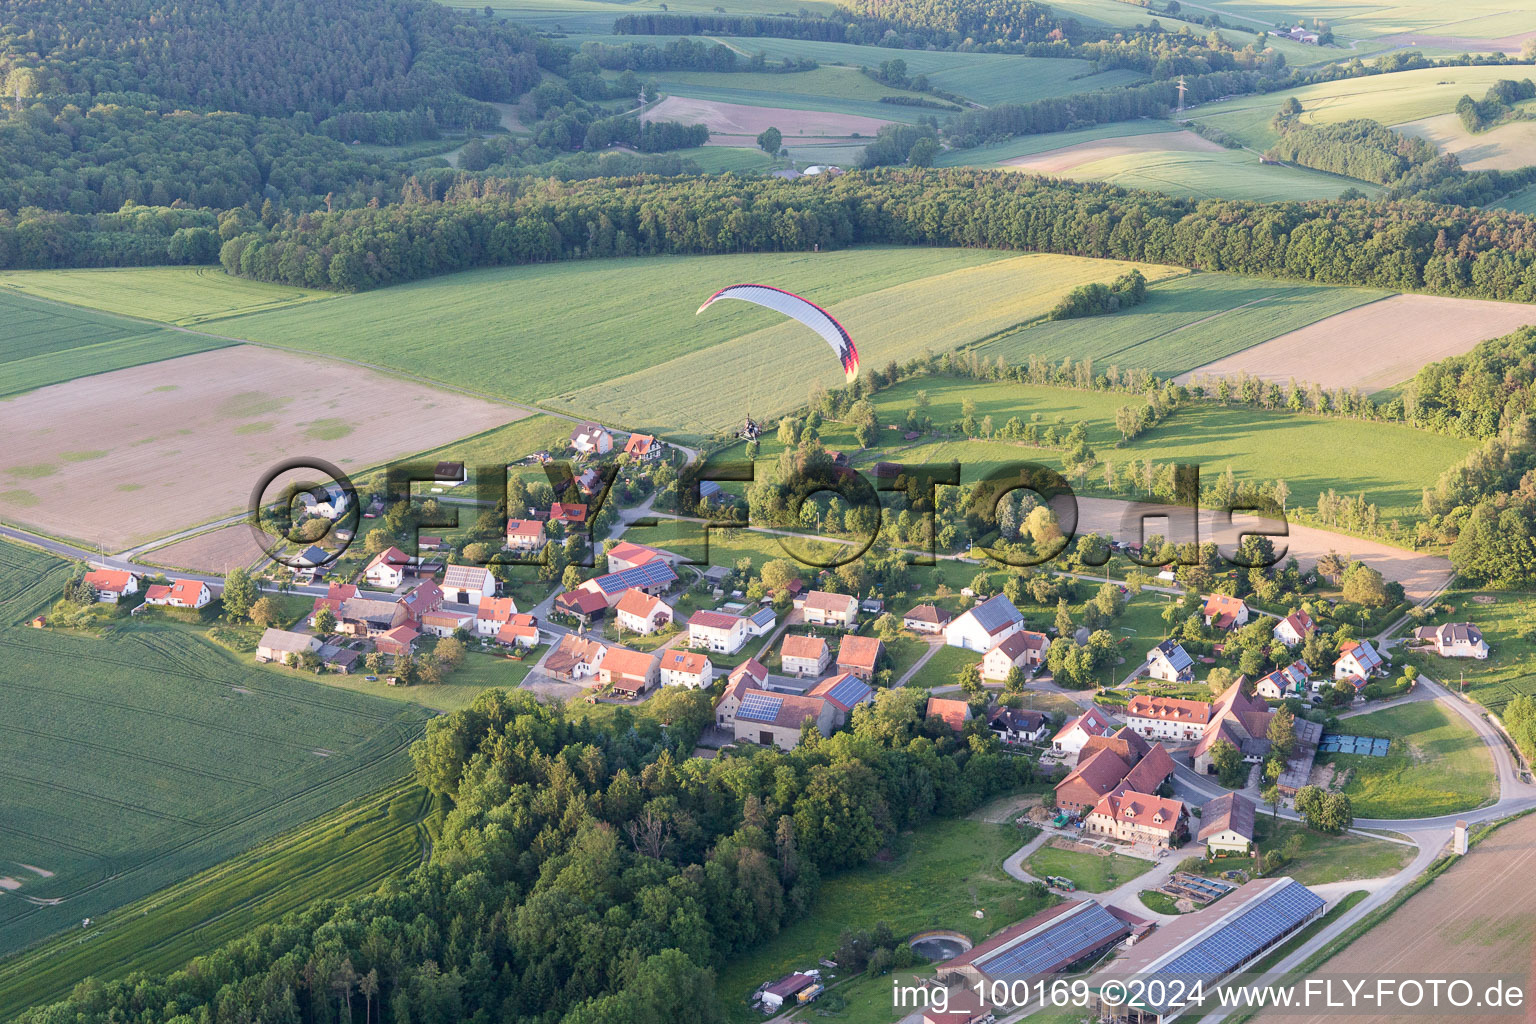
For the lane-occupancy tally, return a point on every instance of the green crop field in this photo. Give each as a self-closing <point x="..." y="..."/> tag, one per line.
<point x="597" y="16"/>
<point x="1521" y="202"/>
<point x="726" y="159"/>
<point x="47" y="343"/>
<point x="157" y="756"/>
<point x="829" y="90"/>
<point x="709" y="390"/>
<point x="1228" y="174"/>
<point x="30" y="581"/>
<point x="349" y="850"/>
<point x="1437" y="764"/>
<point x="1184" y="323"/>
<point x="1028" y="145"/>
<point x="173" y="295"/>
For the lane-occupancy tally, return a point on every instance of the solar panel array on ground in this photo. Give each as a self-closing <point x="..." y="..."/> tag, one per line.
<point x="1252" y="928"/>
<point x="759" y="707"/>
<point x="1058" y="945"/>
<point x="1368" y="746"/>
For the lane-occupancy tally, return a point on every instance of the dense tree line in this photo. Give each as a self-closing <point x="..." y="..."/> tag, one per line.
<point x="1400" y="245"/>
<point x="902" y="143"/>
<point x="1129" y="289"/>
<point x="584" y="874"/>
<point x="1481" y="392"/>
<point x="1357" y="148"/>
<point x="685" y="55"/>
<point x="655" y="137"/>
<point x="1496" y="105"/>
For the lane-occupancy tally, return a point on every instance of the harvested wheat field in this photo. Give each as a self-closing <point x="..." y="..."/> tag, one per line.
<point x="124" y="457"/>
<point x="1376" y="345"/>
<point x="1420" y="574"/>
<point x="216" y="551"/>
<point x="736" y="124"/>
<point x="1505" y="148"/>
<point x="1478" y="917"/>
<point x="1058" y="161"/>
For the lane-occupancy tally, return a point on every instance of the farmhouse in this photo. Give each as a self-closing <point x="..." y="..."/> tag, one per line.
<point x="1241" y="720"/>
<point x="387" y="569"/>
<point x="953" y="713"/>
<point x="629" y="673"/>
<point x="568" y="512"/>
<point x="1122" y="761"/>
<point x="1070" y="933"/>
<point x="1133" y="817"/>
<point x="1019" y="725"/>
<point x="643" y="448"/>
<point x="1167" y="718"/>
<point x="775" y="719"/>
<point x="335" y="595"/>
<point x="984" y="626"/>
<point x="591" y="439"/>
<point x="369" y="615"/>
<point x="493" y="613"/>
<point x="804" y="655"/>
<point x="642" y="613"/>
<point x="752" y="670"/>
<point x="652" y="578"/>
<point x="1170" y="662"/>
<point x="721" y="632"/>
<point x="425" y="597"/>
<point x="1222" y="938"/>
<point x="526" y="535"/>
<point x="179" y="594"/>
<point x="926" y="618"/>
<point x="1226" y="824"/>
<point x="467" y="584"/>
<point x="397" y="641"/>
<point x="111" y="585"/>
<point x="627" y="555"/>
<point x="519" y="631"/>
<point x="844" y="692"/>
<point x="1454" y="640"/>
<point x="446" y="622"/>
<point x="277" y="644"/>
<point x="1072" y="736"/>
<point x="859" y="655"/>
<point x="1357" y="660"/>
<point x="1295" y="628"/>
<point x="1223" y="611"/>
<point x="838" y="610"/>
<point x="575" y="658"/>
<point x="1290" y="681"/>
<point x="686" y="668"/>
<point x="1023" y="650"/>
<point x="748" y="676"/>
<point x="584" y="606"/>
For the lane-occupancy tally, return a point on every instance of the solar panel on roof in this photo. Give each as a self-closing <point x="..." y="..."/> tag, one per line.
<point x="848" y="692"/>
<point x="648" y="575"/>
<point x="1254" y="927"/>
<point x="760" y="707"/>
<point x="1059" y="944"/>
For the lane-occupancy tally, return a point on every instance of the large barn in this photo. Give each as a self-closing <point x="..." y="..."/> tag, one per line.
<point x="1050" y="941"/>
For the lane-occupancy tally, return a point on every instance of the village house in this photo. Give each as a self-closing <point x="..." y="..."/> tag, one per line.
<point x="591" y="439"/>
<point x="749" y="675"/>
<point x="276" y="644"/>
<point x="804" y="655"/>
<point x="775" y="719"/>
<point x="519" y="631"/>
<point x="575" y="658"/>
<point x="468" y="584"/>
<point x="387" y="569"/>
<point x="1167" y="718"/>
<point x="492" y="613"/>
<point x="643" y="448"/>
<point x="423" y="598"/>
<point x="844" y="692"/>
<point x="1170" y="662"/>
<point x="585" y="606"/>
<point x="398" y="641"/>
<point x="366" y="614"/>
<point x="1106" y="763"/>
<point x="1133" y="817"/>
<point x="571" y="513"/>
<point x="629" y="673"/>
<point x="1023" y="650"/>
<point x="1226" y="824"/>
<point x="840" y="611"/>
<point x="926" y="618"/>
<point x="720" y="632"/>
<point x="686" y="668"/>
<point x="1357" y="660"/>
<point x="984" y="626"/>
<point x="642" y="613"/>
<point x="1019" y="725"/>
<point x="1454" y="640"/>
<point x="1222" y="611"/>
<point x="526" y="535"/>
<point x="1290" y="681"/>
<point x="762" y="621"/>
<point x="112" y="585"/>
<point x="179" y="594"/>
<point x="860" y="655"/>
<point x="1075" y="734"/>
<point x="953" y="713"/>
<point x="1294" y="628"/>
<point x="335" y="595"/>
<point x="446" y="622"/>
<point x="1242" y="721"/>
<point x="627" y="555"/>
<point x="651" y="578"/>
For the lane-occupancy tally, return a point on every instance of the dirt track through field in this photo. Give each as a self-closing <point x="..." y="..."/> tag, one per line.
<point x="737" y="124"/>
<point x="1377" y="345"/>
<point x="1057" y="161"/>
<point x="1477" y="917"/>
<point x="135" y="454"/>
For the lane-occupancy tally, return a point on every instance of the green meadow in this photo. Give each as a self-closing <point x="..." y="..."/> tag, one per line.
<point x="1227" y="174"/>
<point x="1437" y="764"/>
<point x="1507" y="620"/>
<point x="183" y="296"/>
<point x="830" y="89"/>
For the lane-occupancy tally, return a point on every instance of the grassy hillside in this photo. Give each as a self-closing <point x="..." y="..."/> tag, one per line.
<point x="177" y="295"/>
<point x="1228" y="174"/>
<point x="832" y="90"/>
<point x="1184" y="323"/>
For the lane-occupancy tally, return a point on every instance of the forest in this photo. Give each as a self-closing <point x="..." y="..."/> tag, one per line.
<point x="585" y="874"/>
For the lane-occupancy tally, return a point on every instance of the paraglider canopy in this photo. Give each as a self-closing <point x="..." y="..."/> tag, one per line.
<point x="803" y="310"/>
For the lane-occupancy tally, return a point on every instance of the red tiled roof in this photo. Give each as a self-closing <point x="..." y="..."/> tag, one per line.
<point x="635" y="554"/>
<point x="638" y="444"/>
<point x="713" y="620"/>
<point x="928" y="613"/>
<point x="1093" y="721"/>
<point x="860" y="651"/>
<point x="1150" y="771"/>
<point x="638" y="603"/>
<point x="1101" y="771"/>
<point x="568" y="512"/>
<point x="391" y="556"/>
<point x="496" y="609"/>
<point x="525" y="528"/>
<point x="751" y="670"/>
<point x="955" y="713"/>
<point x="113" y="581"/>
<point x="621" y="662"/>
<point x="584" y="601"/>
<point x="1300" y="622"/>
<point x="820" y="600"/>
<point x="689" y="662"/>
<point x="1145" y="810"/>
<point x="810" y="648"/>
<point x="1169" y="709"/>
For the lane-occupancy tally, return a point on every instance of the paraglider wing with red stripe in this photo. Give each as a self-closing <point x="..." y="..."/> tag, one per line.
<point x="803" y="310"/>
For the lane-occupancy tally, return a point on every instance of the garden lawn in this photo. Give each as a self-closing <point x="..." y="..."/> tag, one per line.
<point x="1092" y="872"/>
<point x="1325" y="858"/>
<point x="943" y="669"/>
<point x="1507" y="620"/>
<point x="936" y="878"/>
<point x="1436" y="764"/>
